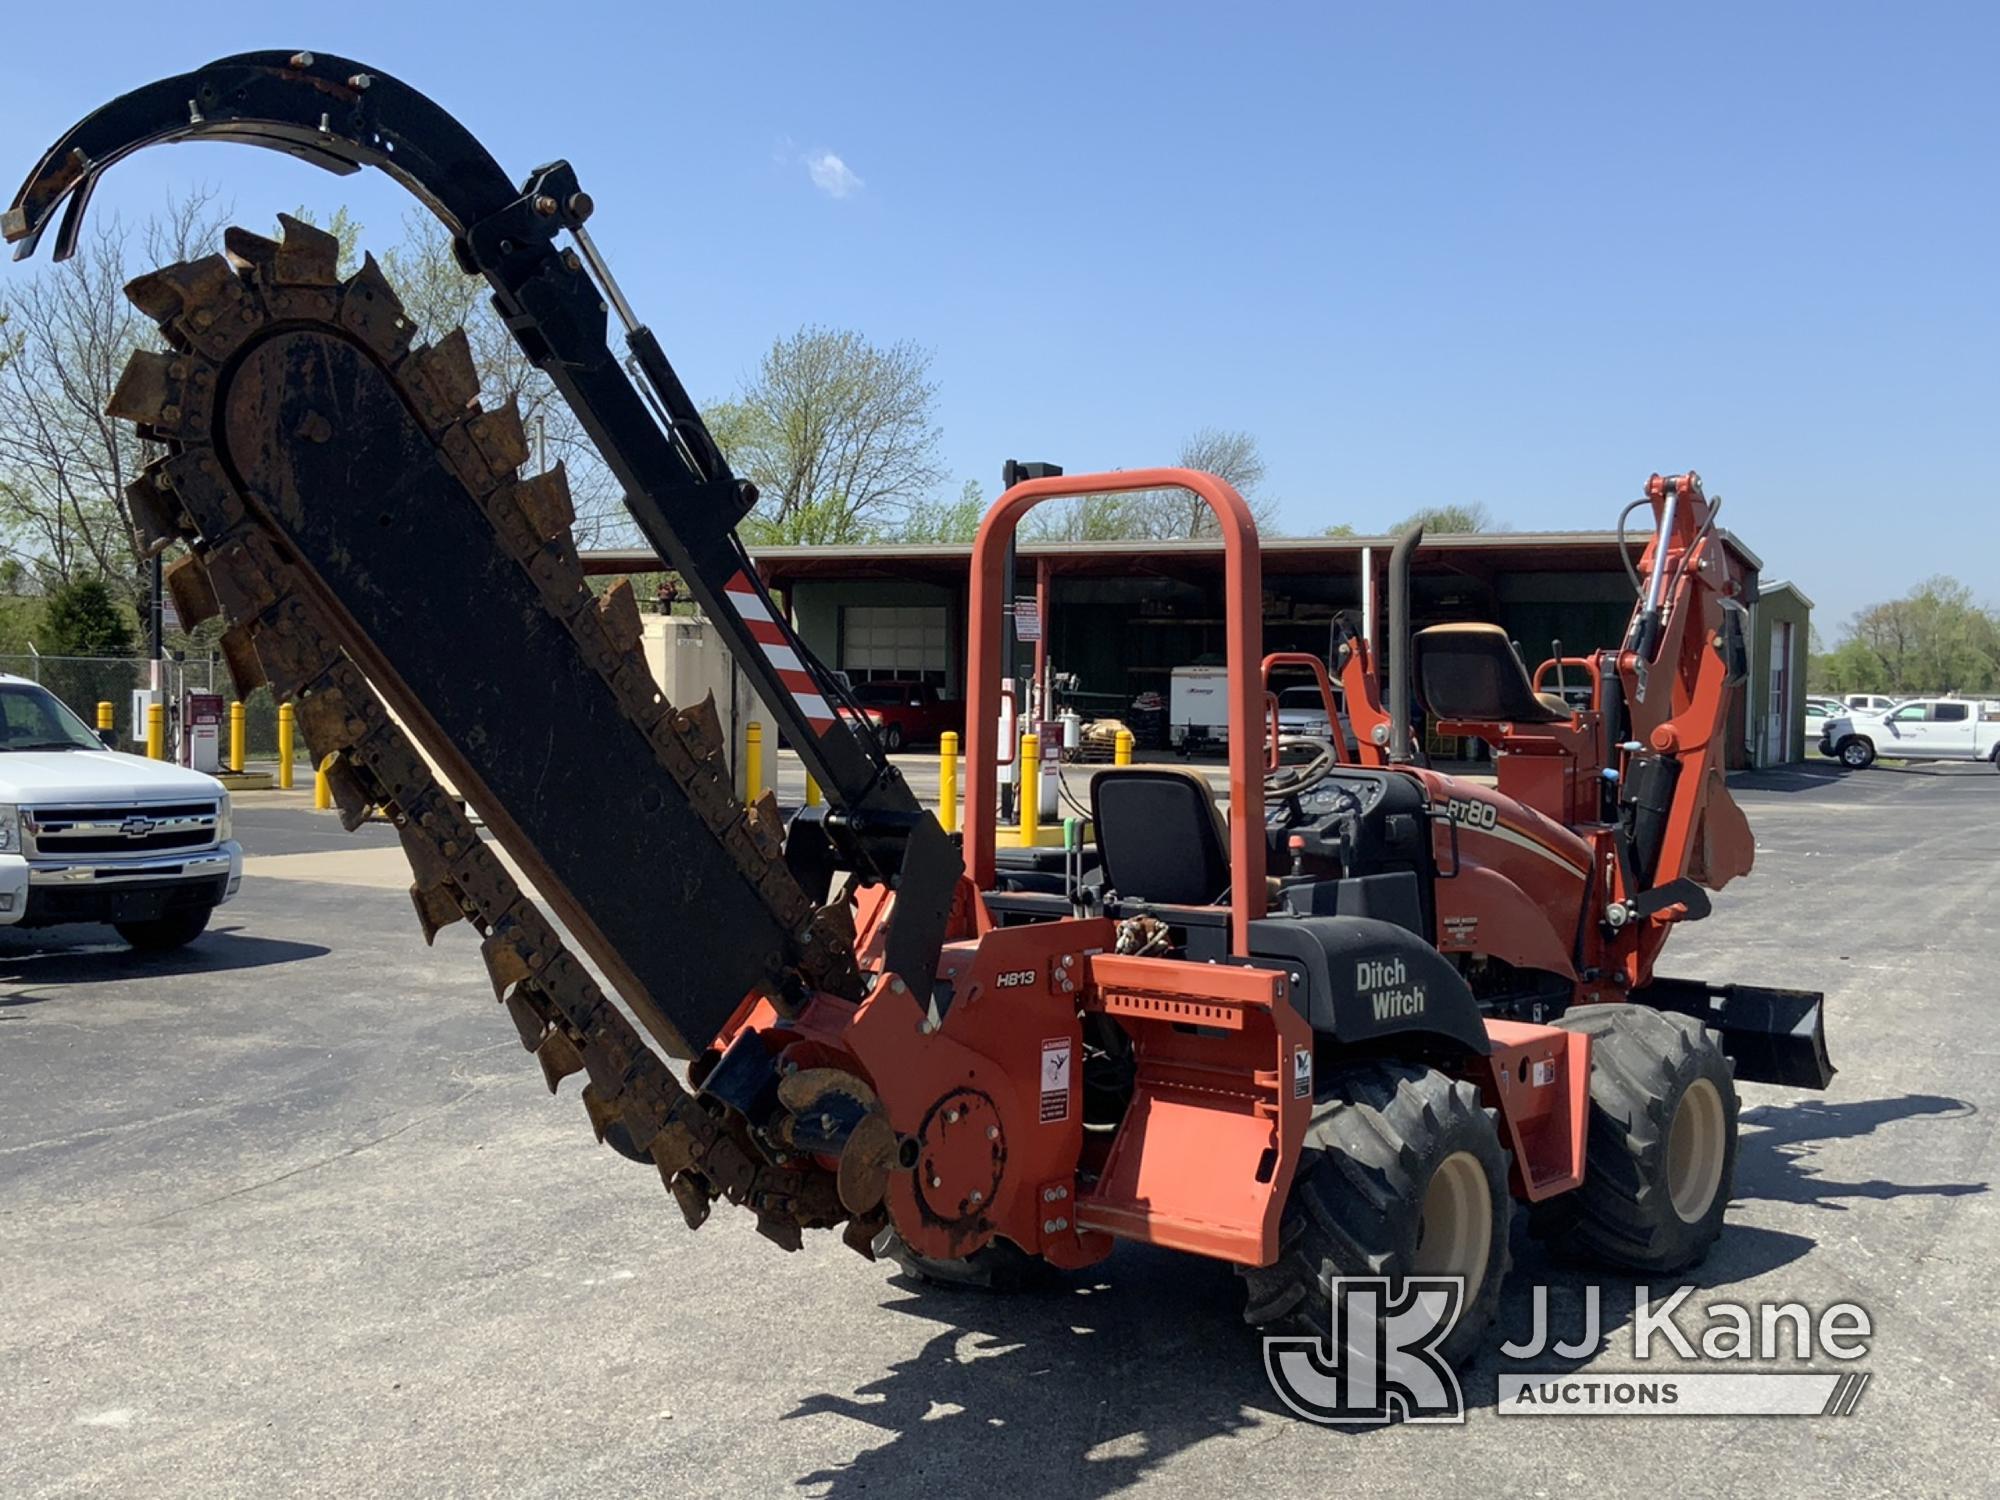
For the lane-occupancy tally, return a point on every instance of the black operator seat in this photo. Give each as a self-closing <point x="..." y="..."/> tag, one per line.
<point x="1160" y="835"/>
<point x="1472" y="672"/>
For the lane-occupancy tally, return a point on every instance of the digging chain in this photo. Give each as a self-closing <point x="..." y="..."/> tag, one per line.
<point x="284" y="629"/>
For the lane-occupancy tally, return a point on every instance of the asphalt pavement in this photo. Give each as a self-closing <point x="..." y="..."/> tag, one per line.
<point x="292" y="1213"/>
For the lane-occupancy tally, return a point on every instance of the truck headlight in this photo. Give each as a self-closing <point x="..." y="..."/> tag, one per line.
<point x="224" y="824"/>
<point x="10" y="828"/>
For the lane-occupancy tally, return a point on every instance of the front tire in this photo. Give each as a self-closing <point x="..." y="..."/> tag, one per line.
<point x="164" y="934"/>
<point x="892" y="738"/>
<point x="1403" y="1174"/>
<point x="1662" y="1148"/>
<point x="997" y="1266"/>
<point x="1856" y="753"/>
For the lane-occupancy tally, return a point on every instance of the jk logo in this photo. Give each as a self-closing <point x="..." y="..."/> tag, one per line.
<point x="1380" y="1360"/>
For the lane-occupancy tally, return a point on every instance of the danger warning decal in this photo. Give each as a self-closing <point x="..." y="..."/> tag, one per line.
<point x="770" y="638"/>
<point x="1302" y="1072"/>
<point x="1056" y="1053"/>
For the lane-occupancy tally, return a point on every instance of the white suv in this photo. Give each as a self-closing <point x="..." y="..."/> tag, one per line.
<point x="88" y="834"/>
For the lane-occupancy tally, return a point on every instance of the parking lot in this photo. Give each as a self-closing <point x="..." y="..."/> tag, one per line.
<point x="291" y="1213"/>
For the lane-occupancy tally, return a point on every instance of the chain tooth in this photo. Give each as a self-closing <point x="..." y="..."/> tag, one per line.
<point x="437" y="908"/>
<point x="149" y="388"/>
<point x="194" y="595"/>
<point x="618" y="613"/>
<point x="373" y="313"/>
<point x="443" y="379"/>
<point x="545" y="501"/>
<point x="306" y="256"/>
<point x="157" y="522"/>
<point x="239" y="654"/>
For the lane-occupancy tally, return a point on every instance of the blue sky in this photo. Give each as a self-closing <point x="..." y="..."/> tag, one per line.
<point x="1520" y="254"/>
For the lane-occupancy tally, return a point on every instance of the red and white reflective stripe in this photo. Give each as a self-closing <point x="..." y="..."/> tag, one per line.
<point x="770" y="638"/>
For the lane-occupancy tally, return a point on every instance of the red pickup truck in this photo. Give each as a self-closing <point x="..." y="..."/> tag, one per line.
<point x="906" y="713"/>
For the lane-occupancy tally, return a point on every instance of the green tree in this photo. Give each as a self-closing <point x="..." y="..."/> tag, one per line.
<point x="1936" y="638"/>
<point x="945" y="521"/>
<point x="84" y="618"/>
<point x="1449" y="520"/>
<point x="839" y="435"/>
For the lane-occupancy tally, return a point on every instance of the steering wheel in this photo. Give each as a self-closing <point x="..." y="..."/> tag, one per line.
<point x="1293" y="780"/>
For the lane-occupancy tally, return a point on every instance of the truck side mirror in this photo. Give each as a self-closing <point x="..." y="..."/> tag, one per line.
<point x="109" y="738"/>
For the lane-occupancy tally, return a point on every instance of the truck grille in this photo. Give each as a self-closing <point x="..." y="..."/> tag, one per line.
<point x="139" y="829"/>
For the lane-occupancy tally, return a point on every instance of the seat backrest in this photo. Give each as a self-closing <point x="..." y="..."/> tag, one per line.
<point x="1160" y="835"/>
<point x="1472" y="672"/>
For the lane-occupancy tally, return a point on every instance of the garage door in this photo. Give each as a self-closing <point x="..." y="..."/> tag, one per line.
<point x="893" y="641"/>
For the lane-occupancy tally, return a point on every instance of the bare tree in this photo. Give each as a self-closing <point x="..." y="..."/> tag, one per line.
<point x="837" y="433"/>
<point x="1166" y="515"/>
<point x="64" y="464"/>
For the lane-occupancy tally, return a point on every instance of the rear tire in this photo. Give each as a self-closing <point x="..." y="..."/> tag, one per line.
<point x="1856" y="753"/>
<point x="892" y="738"/>
<point x="1403" y="1174"/>
<point x="164" y="934"/>
<point x="1662" y="1152"/>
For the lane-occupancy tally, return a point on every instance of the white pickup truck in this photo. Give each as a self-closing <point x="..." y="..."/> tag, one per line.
<point x="91" y="835"/>
<point x="1915" y="729"/>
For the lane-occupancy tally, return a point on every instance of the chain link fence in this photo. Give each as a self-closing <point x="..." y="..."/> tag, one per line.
<point x="83" y="682"/>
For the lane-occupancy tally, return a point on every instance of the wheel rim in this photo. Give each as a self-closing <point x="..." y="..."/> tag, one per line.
<point x="1455" y="1234"/>
<point x="1695" y="1151"/>
<point x="1854" y="755"/>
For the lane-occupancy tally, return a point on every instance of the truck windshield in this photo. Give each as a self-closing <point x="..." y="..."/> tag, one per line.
<point x="33" y="718"/>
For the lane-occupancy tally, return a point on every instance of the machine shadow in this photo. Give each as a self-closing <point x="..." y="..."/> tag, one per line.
<point x="1775" y="1157"/>
<point x="94" y="955"/>
<point x="1091" y="1385"/>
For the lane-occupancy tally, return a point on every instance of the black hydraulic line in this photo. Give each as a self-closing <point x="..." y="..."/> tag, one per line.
<point x="1399" y="645"/>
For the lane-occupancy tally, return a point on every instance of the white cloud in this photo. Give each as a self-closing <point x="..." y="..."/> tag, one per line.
<point x="831" y="175"/>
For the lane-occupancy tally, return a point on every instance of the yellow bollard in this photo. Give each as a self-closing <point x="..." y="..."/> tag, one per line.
<point x="948" y="781"/>
<point x="156" y="732"/>
<point x="236" y="731"/>
<point x="1121" y="748"/>
<point x="753" y="761"/>
<point x="322" y="789"/>
<point x="286" y="720"/>
<point x="812" y="791"/>
<point x="1030" y="790"/>
<point x="104" y="716"/>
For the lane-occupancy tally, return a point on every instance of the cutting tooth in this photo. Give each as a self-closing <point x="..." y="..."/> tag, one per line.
<point x="250" y="253"/>
<point x="187" y="287"/>
<point x="437" y="908"/>
<point x="239" y="654"/>
<point x="692" y="1194"/>
<point x="444" y="377"/>
<point x="544" y="499"/>
<point x="156" y="515"/>
<point x="194" y="596"/>
<point x="308" y="255"/>
<point x="500" y="439"/>
<point x="149" y="390"/>
<point x="618" y="613"/>
<point x="701" y="728"/>
<point x="505" y="964"/>
<point x="371" y="310"/>
<point x="559" y="1058"/>
<point x="527" y="1019"/>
